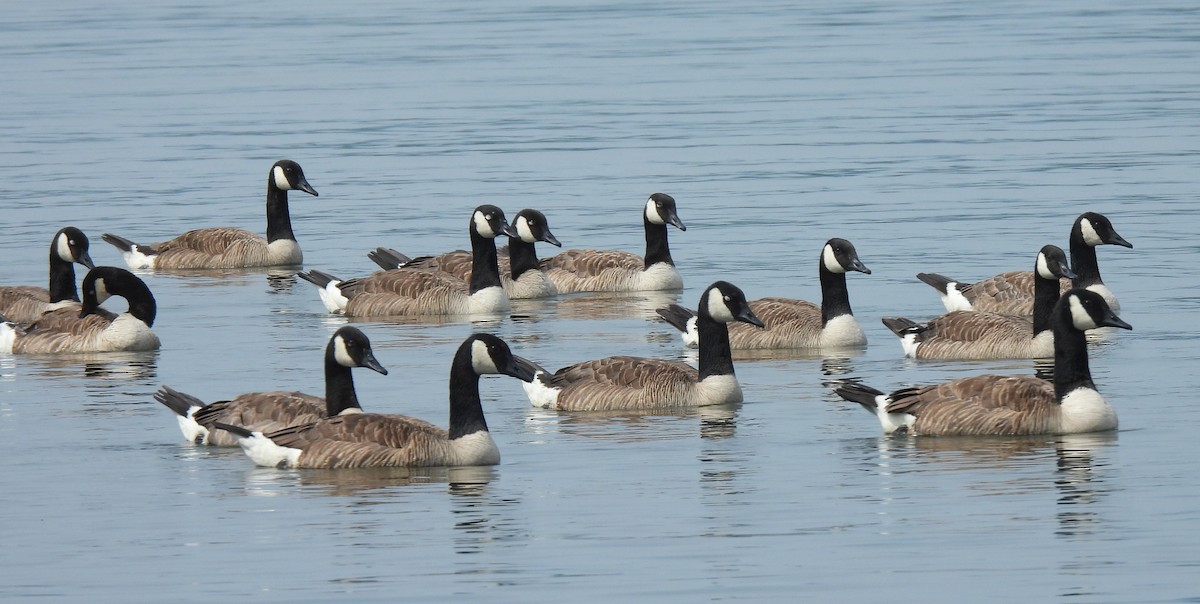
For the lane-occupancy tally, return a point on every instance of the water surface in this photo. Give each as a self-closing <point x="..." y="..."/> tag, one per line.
<point x="948" y="137"/>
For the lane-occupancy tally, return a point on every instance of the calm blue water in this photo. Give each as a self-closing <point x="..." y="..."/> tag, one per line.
<point x="952" y="137"/>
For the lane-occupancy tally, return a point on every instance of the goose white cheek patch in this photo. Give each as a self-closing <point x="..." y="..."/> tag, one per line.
<point x="1043" y="267"/>
<point x="1090" y="236"/>
<point x="63" y="247"/>
<point x="281" y="181"/>
<point x="1079" y="315"/>
<point x="830" y="260"/>
<point x="481" y="359"/>
<point x="652" y="213"/>
<point x="524" y="231"/>
<point x="717" y="307"/>
<point x="340" y="354"/>
<point x="482" y="226"/>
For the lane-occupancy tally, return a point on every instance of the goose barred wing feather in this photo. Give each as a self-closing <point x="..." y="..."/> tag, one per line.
<point x="591" y="263"/>
<point x="23" y="303"/>
<point x="623" y="382"/>
<point x="971" y="326"/>
<point x="63" y="331"/>
<point x="458" y="263"/>
<point x="980" y="405"/>
<point x="789" y="324"/>
<point x="365" y="440"/>
<point x="1008" y="293"/>
<point x="259" y="411"/>
<point x="215" y="247"/>
<point x="405" y="292"/>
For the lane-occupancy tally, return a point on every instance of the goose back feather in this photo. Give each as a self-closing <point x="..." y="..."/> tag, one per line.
<point x="230" y="247"/>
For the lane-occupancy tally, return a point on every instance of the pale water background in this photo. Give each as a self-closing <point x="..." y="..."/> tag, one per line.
<point x="954" y="137"/>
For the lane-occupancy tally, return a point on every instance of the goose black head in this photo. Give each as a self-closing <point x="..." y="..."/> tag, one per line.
<point x="839" y="256"/>
<point x="1096" y="229"/>
<point x="489" y="222"/>
<point x="350" y="347"/>
<point x="660" y="209"/>
<point x="532" y="227"/>
<point x="71" y="245"/>
<point x="287" y="175"/>
<point x="1052" y="263"/>
<point x="726" y="303"/>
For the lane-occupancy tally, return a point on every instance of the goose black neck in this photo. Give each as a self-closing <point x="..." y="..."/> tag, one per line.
<point x="835" y="298"/>
<point x="485" y="269"/>
<point x="62" y="279"/>
<point x="466" y="410"/>
<point x="1071" y="368"/>
<point x="339" y="386"/>
<point x="657" y="249"/>
<point x="141" y="302"/>
<point x="716" y="358"/>
<point x="279" y="219"/>
<point x="522" y="257"/>
<point x="1045" y="296"/>
<point x="1083" y="261"/>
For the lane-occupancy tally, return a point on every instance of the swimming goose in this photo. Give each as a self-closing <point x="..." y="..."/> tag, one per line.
<point x="974" y="334"/>
<point x="363" y="440"/>
<point x="624" y="382"/>
<point x="617" y="271"/>
<point x="26" y="303"/>
<point x="1011" y="293"/>
<point x="408" y="291"/>
<point x="230" y="247"/>
<point x="792" y="323"/>
<point x="519" y="271"/>
<point x="1008" y="405"/>
<point x="91" y="328"/>
<point x="269" y="411"/>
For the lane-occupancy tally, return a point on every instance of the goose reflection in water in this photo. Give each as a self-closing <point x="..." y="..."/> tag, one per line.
<point x="1077" y="473"/>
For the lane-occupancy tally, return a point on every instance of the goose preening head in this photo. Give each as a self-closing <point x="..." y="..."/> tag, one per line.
<point x="791" y="323"/>
<point x="383" y="440"/>
<point x="91" y="328"/>
<point x="973" y="334"/>
<point x="1008" y="405"/>
<point x="229" y="247"/>
<point x="589" y="270"/>
<point x="1012" y="292"/>
<point x="24" y="304"/>
<point x="633" y="383"/>
<point x="348" y="348"/>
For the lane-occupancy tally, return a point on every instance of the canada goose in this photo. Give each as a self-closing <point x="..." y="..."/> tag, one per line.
<point x="973" y="334"/>
<point x="269" y="411"/>
<point x="1009" y="405"/>
<point x="230" y="247"/>
<point x="519" y="271"/>
<point x="91" y="329"/>
<point x="1011" y="293"/>
<point x="419" y="292"/>
<point x="363" y="440"/>
<point x="625" y="382"/>
<point x="617" y="271"/>
<point x="26" y="303"/>
<point x="795" y="323"/>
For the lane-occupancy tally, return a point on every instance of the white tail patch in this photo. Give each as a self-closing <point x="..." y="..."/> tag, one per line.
<point x="8" y="337"/>
<point x="954" y="299"/>
<point x="264" y="452"/>
<point x="136" y="260"/>
<point x="691" y="335"/>
<point x="192" y="431"/>
<point x="540" y="395"/>
<point x="332" y="297"/>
